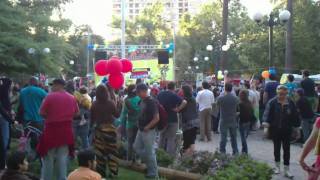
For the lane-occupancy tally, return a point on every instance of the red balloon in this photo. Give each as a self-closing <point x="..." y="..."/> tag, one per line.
<point x="101" y="67"/>
<point x="116" y="81"/>
<point x="126" y="65"/>
<point x="114" y="57"/>
<point x="114" y="66"/>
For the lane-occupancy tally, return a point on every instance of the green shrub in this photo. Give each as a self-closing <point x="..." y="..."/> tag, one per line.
<point x="163" y="158"/>
<point x="242" y="168"/>
<point x="217" y="166"/>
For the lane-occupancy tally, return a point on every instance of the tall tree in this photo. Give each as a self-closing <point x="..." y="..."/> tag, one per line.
<point x="225" y="17"/>
<point x="288" y="61"/>
<point x="149" y="27"/>
<point x="28" y="24"/>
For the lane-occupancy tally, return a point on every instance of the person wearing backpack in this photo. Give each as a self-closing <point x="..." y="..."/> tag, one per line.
<point x="146" y="136"/>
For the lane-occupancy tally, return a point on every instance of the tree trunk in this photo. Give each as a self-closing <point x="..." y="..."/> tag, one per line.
<point x="289" y="59"/>
<point x="163" y="172"/>
<point x="224" y="54"/>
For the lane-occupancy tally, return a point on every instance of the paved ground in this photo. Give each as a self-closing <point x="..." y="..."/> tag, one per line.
<point x="261" y="150"/>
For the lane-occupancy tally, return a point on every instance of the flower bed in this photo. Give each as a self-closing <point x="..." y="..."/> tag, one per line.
<point x="216" y="166"/>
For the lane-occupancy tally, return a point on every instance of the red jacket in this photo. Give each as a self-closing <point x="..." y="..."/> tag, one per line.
<point x="56" y="134"/>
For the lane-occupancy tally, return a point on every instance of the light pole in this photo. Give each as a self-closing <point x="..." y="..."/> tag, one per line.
<point x="210" y="50"/>
<point x="284" y="16"/>
<point x="34" y="53"/>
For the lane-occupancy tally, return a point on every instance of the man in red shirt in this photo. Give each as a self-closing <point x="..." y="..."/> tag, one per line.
<point x="57" y="141"/>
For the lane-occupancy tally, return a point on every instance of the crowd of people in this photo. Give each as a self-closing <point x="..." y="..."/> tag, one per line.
<point x="65" y="120"/>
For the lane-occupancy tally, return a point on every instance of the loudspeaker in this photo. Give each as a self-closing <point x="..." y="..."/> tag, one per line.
<point x="98" y="55"/>
<point x="163" y="57"/>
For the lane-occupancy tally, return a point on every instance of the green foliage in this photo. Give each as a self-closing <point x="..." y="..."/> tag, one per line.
<point x="249" y="41"/>
<point x="244" y="168"/>
<point x="216" y="166"/>
<point x="163" y="158"/>
<point x="28" y="24"/>
<point x="149" y="27"/>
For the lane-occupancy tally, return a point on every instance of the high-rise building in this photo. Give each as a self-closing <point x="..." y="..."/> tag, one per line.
<point x="134" y="7"/>
<point x="174" y="9"/>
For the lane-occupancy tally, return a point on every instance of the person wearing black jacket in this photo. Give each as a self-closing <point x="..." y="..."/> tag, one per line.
<point x="5" y="118"/>
<point x="281" y="117"/>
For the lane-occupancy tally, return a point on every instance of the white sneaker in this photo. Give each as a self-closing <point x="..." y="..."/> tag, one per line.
<point x="287" y="172"/>
<point x="277" y="169"/>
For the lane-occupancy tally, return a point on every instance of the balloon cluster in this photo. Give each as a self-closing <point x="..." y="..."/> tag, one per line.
<point x="266" y="74"/>
<point x="114" y="67"/>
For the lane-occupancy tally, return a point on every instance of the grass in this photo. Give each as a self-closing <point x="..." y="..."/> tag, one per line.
<point x="35" y="168"/>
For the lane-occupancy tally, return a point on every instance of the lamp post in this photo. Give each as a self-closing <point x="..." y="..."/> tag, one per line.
<point x="284" y="16"/>
<point x="33" y="52"/>
<point x="210" y="50"/>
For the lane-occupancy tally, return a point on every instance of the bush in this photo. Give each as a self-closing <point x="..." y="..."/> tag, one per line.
<point x="216" y="166"/>
<point x="163" y="158"/>
<point x="243" y="168"/>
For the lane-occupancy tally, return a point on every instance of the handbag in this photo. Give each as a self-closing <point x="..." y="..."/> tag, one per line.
<point x="314" y="174"/>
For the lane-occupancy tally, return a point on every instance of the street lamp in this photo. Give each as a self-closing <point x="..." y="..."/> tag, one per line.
<point x="209" y="47"/>
<point x="195" y="59"/>
<point x="206" y="58"/>
<point x="71" y="62"/>
<point x="197" y="67"/>
<point x="284" y="16"/>
<point x="33" y="51"/>
<point x="225" y="47"/>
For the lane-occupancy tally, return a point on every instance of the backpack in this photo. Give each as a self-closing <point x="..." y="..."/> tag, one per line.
<point x="163" y="116"/>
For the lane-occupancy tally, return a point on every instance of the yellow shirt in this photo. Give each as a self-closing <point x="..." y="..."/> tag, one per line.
<point x="83" y="173"/>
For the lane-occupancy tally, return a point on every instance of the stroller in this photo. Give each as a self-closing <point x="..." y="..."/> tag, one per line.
<point x="29" y="140"/>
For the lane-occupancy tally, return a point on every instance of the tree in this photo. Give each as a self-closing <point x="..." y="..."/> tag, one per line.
<point x="28" y="24"/>
<point x="149" y="27"/>
<point x="79" y="39"/>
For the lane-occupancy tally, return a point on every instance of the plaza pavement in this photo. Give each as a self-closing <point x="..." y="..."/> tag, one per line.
<point x="261" y="149"/>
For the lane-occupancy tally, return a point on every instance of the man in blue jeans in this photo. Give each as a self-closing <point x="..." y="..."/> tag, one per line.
<point x="57" y="140"/>
<point x="147" y="121"/>
<point x="228" y="104"/>
<point x="31" y="98"/>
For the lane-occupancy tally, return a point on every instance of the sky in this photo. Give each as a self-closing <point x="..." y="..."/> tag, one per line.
<point x="98" y="13"/>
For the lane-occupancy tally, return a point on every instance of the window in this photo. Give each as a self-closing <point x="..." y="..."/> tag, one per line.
<point x="137" y="5"/>
<point x="131" y="5"/>
<point x="131" y="11"/>
<point x="137" y="11"/>
<point x="180" y="4"/>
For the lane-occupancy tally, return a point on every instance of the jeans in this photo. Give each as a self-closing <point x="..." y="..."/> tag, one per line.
<point x="131" y="135"/>
<point x="144" y="147"/>
<point x="307" y="125"/>
<point x="168" y="138"/>
<point x="205" y="124"/>
<point x="81" y="131"/>
<point x="244" y="132"/>
<point x="5" y="135"/>
<point x="281" y="137"/>
<point x="223" y="138"/>
<point x="55" y="158"/>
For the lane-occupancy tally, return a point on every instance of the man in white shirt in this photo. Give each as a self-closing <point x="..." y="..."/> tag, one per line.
<point x="205" y="99"/>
